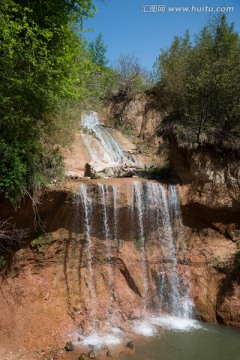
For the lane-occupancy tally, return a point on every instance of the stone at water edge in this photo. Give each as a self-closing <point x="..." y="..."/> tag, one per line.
<point x="109" y="354"/>
<point x="69" y="346"/>
<point x="131" y="345"/>
<point x="82" y="357"/>
<point x="92" y="354"/>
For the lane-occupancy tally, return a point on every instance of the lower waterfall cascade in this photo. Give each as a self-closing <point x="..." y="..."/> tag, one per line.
<point x="148" y="214"/>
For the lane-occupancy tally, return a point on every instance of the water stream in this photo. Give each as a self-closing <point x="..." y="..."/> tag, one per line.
<point x="100" y="143"/>
<point x="87" y="211"/>
<point x="138" y="208"/>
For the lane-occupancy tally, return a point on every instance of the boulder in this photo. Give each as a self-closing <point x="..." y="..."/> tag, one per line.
<point x="92" y="354"/>
<point x="131" y="345"/>
<point x="69" y="346"/>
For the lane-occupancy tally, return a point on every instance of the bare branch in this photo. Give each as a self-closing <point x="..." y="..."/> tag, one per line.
<point x="37" y="218"/>
<point x="10" y="236"/>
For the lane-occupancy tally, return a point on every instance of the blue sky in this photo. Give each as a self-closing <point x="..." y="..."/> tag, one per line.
<point x="128" y="29"/>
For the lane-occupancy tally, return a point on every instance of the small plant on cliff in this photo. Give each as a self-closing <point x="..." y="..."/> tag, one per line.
<point x="217" y="263"/>
<point x="237" y="259"/>
<point x="238" y="244"/>
<point x="2" y="262"/>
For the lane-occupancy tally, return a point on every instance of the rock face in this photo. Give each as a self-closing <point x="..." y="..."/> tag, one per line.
<point x="72" y="279"/>
<point x="141" y="113"/>
<point x="203" y="165"/>
<point x="84" y="272"/>
<point x="211" y="219"/>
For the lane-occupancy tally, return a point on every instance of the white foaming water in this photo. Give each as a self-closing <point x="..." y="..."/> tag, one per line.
<point x="175" y="323"/>
<point x="151" y="326"/>
<point x="144" y="328"/>
<point x="97" y="340"/>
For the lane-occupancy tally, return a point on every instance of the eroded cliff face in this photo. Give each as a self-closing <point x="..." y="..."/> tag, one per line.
<point x="47" y="290"/>
<point x="141" y="113"/>
<point x="53" y="287"/>
<point x="211" y="218"/>
<point x="99" y="262"/>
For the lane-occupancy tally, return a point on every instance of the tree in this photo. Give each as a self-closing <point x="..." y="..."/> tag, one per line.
<point x="202" y="86"/>
<point x="98" y="51"/>
<point x="131" y="76"/>
<point x="42" y="66"/>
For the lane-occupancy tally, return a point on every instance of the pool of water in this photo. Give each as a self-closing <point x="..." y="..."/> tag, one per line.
<point x="186" y="340"/>
<point x="164" y="338"/>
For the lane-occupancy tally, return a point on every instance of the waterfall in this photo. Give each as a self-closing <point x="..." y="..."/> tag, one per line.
<point x="116" y="197"/>
<point x="177" y="225"/>
<point x="151" y="215"/>
<point x="138" y="208"/>
<point x="164" y="211"/>
<point x="103" y="193"/>
<point x="176" y="217"/>
<point x="100" y="143"/>
<point x="174" y="302"/>
<point x="87" y="228"/>
<point x="83" y="198"/>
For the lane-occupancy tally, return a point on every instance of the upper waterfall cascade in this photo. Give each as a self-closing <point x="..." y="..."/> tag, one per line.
<point x="101" y="144"/>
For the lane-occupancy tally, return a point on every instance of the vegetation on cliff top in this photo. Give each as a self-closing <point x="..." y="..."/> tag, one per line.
<point x="200" y="84"/>
<point x="47" y="71"/>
